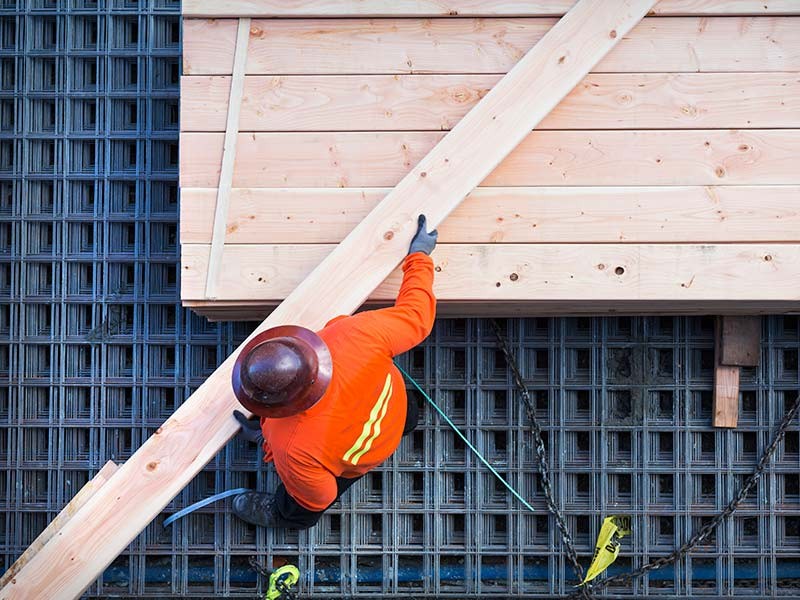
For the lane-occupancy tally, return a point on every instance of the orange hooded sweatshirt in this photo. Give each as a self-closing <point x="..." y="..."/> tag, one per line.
<point x="359" y="421"/>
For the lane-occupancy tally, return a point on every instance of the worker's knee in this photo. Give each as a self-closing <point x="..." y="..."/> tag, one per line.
<point x="289" y="514"/>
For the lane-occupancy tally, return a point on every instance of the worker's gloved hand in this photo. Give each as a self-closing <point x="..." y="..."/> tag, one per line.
<point x="424" y="241"/>
<point x="251" y="428"/>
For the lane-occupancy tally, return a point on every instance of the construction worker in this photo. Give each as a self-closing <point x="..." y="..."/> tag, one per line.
<point x="332" y="404"/>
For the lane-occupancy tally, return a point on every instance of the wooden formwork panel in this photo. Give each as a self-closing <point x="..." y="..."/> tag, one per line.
<point x="676" y="157"/>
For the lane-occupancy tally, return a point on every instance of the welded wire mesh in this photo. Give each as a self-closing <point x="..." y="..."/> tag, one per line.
<point x="95" y="352"/>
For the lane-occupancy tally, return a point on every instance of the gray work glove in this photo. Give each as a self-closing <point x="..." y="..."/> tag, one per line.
<point x="424" y="241"/>
<point x="251" y="428"/>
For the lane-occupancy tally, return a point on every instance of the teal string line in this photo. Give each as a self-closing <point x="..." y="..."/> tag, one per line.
<point x="228" y="493"/>
<point x="466" y="441"/>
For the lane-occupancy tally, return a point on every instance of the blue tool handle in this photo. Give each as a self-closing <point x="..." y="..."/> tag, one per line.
<point x="205" y="502"/>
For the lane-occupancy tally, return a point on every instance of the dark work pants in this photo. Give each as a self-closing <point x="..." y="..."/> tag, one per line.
<point x="290" y="515"/>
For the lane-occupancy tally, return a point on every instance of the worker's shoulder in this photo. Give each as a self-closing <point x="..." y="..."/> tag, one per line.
<point x="335" y="320"/>
<point x="348" y="327"/>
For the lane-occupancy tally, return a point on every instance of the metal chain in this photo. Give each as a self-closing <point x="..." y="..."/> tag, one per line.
<point x="697" y="538"/>
<point x="726" y="512"/>
<point x="541" y="454"/>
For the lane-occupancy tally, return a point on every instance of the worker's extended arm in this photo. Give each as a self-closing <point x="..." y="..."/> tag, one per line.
<point x="410" y="320"/>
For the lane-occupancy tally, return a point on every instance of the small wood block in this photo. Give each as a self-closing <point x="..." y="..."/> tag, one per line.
<point x="741" y="341"/>
<point x="726" y="385"/>
<point x="726" y="396"/>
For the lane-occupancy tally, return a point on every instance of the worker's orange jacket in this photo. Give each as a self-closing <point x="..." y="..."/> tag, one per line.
<point x="359" y="421"/>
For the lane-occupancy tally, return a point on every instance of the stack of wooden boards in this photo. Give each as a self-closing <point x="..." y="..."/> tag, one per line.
<point x="667" y="182"/>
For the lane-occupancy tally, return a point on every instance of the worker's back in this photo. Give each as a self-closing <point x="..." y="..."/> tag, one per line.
<point x="359" y="421"/>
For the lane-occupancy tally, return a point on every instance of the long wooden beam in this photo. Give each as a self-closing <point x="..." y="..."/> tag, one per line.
<point x="463" y="8"/>
<point x="73" y="506"/>
<point x="667" y="214"/>
<point x="437" y="102"/>
<point x="396" y="46"/>
<point x="180" y="448"/>
<point x="376" y="159"/>
<point x="530" y="272"/>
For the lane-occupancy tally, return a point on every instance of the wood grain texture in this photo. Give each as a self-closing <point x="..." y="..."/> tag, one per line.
<point x="740" y="341"/>
<point x="530" y="272"/>
<point x="363" y="46"/>
<point x="203" y="424"/>
<point x="726" y="396"/>
<point x="234" y="105"/>
<point x="437" y="102"/>
<point x="462" y="8"/>
<point x="648" y="157"/>
<point x="670" y="214"/>
<point x="72" y="508"/>
<point x="726" y="382"/>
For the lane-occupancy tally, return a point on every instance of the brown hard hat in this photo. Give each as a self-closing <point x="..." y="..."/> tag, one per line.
<point x="282" y="371"/>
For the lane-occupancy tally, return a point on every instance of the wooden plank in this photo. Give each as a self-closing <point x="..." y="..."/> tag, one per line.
<point x="234" y="104"/>
<point x="525" y="272"/>
<point x="726" y="385"/>
<point x="463" y="8"/>
<point x="669" y="214"/>
<point x="544" y="308"/>
<point x="72" y="507"/>
<point x="647" y="157"/>
<point x="740" y="343"/>
<point x="203" y="424"/>
<point x="363" y="46"/>
<point x="726" y="396"/>
<point x="437" y="102"/>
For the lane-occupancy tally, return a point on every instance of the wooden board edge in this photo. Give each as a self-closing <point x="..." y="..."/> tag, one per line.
<point x="71" y="509"/>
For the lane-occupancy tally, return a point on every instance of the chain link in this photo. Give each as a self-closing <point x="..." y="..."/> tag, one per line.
<point x="544" y="472"/>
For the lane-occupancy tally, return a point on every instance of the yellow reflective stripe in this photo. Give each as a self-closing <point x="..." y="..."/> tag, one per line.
<point x="377" y="429"/>
<point x="373" y="415"/>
